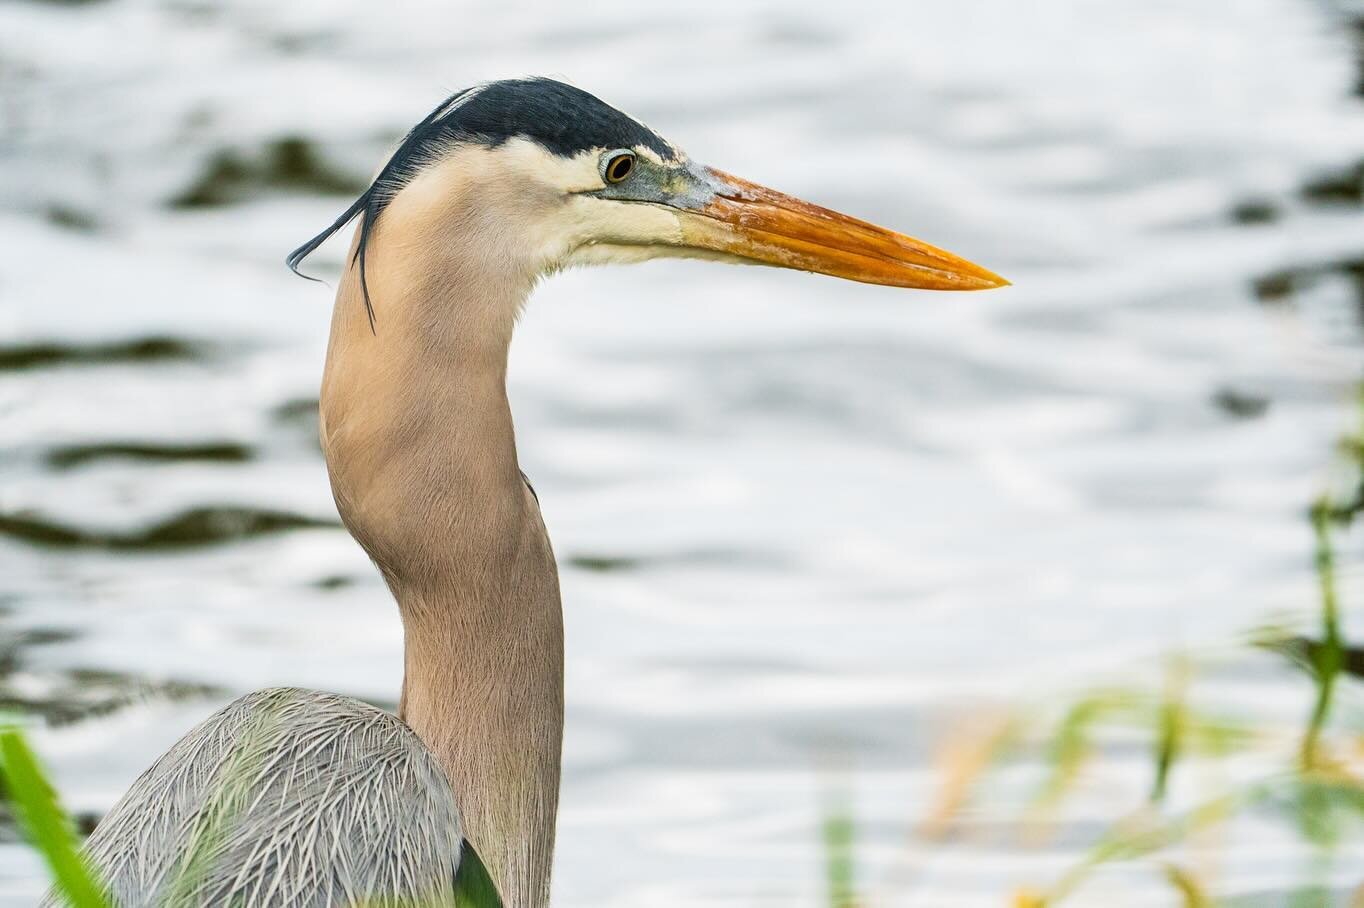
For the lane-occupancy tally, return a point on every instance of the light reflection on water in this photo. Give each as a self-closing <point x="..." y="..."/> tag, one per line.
<point x="799" y="521"/>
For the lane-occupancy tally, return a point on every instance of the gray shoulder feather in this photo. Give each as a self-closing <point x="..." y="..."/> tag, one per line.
<point x="285" y="798"/>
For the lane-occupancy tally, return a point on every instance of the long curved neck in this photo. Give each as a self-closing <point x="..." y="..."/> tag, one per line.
<point x="420" y="450"/>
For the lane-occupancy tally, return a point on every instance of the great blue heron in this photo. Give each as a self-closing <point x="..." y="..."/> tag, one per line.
<point x="297" y="798"/>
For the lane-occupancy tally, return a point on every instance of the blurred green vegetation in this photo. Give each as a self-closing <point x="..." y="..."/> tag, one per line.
<point x="1316" y="787"/>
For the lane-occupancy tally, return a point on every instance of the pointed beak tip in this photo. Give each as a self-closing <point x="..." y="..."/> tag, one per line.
<point x="968" y="276"/>
<point x="991" y="281"/>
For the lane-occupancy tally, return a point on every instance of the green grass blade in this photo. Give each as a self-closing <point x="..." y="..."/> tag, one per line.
<point x="1192" y="894"/>
<point x="473" y="886"/>
<point x="1171" y="724"/>
<point x="839" y="867"/>
<point x="46" y="826"/>
<point x="1330" y="656"/>
<point x="1071" y="744"/>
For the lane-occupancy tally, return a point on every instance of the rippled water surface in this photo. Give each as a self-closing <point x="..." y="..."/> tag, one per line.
<point x="801" y="523"/>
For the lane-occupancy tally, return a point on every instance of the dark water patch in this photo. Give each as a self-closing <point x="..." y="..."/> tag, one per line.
<point x="602" y="563"/>
<point x="16" y="642"/>
<point x="1255" y="211"/>
<point x="74" y="694"/>
<point x="80" y="694"/>
<point x="42" y="355"/>
<point x="1275" y="286"/>
<point x="300" y="411"/>
<point x="1354" y="270"/>
<point x="287" y="163"/>
<point x="193" y="528"/>
<point x="1279" y="286"/>
<point x="1355" y="28"/>
<point x="71" y="696"/>
<point x="1240" y="404"/>
<point x="1336" y="187"/>
<point x="334" y="582"/>
<point x="69" y="218"/>
<point x="10" y="834"/>
<point x="294" y="43"/>
<point x="68" y="456"/>
<point x="36" y="636"/>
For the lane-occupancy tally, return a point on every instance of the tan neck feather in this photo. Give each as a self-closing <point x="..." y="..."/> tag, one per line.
<point x="422" y="458"/>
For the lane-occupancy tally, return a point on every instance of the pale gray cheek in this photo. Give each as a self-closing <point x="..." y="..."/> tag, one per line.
<point x="689" y="186"/>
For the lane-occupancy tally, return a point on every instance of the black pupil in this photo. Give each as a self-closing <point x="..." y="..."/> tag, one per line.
<point x="620" y="167"/>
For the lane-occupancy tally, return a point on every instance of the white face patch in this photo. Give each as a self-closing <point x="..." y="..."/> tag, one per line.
<point x="538" y="208"/>
<point x="636" y="230"/>
<point x="534" y="162"/>
<point x="582" y="226"/>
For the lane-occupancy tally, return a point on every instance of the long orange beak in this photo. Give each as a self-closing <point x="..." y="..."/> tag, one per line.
<point x="753" y="222"/>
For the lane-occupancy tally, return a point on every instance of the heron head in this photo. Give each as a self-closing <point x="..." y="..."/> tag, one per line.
<point x="549" y="176"/>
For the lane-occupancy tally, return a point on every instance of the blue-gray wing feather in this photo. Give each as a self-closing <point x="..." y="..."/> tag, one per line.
<point x="289" y="799"/>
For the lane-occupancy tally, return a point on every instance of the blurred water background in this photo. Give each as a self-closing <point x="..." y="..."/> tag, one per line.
<point x="808" y="530"/>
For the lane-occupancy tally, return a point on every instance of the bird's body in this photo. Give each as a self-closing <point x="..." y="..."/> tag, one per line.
<point x="285" y="798"/>
<point x="500" y="186"/>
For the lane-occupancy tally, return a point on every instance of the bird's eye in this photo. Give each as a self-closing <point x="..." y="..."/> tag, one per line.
<point x="618" y="166"/>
